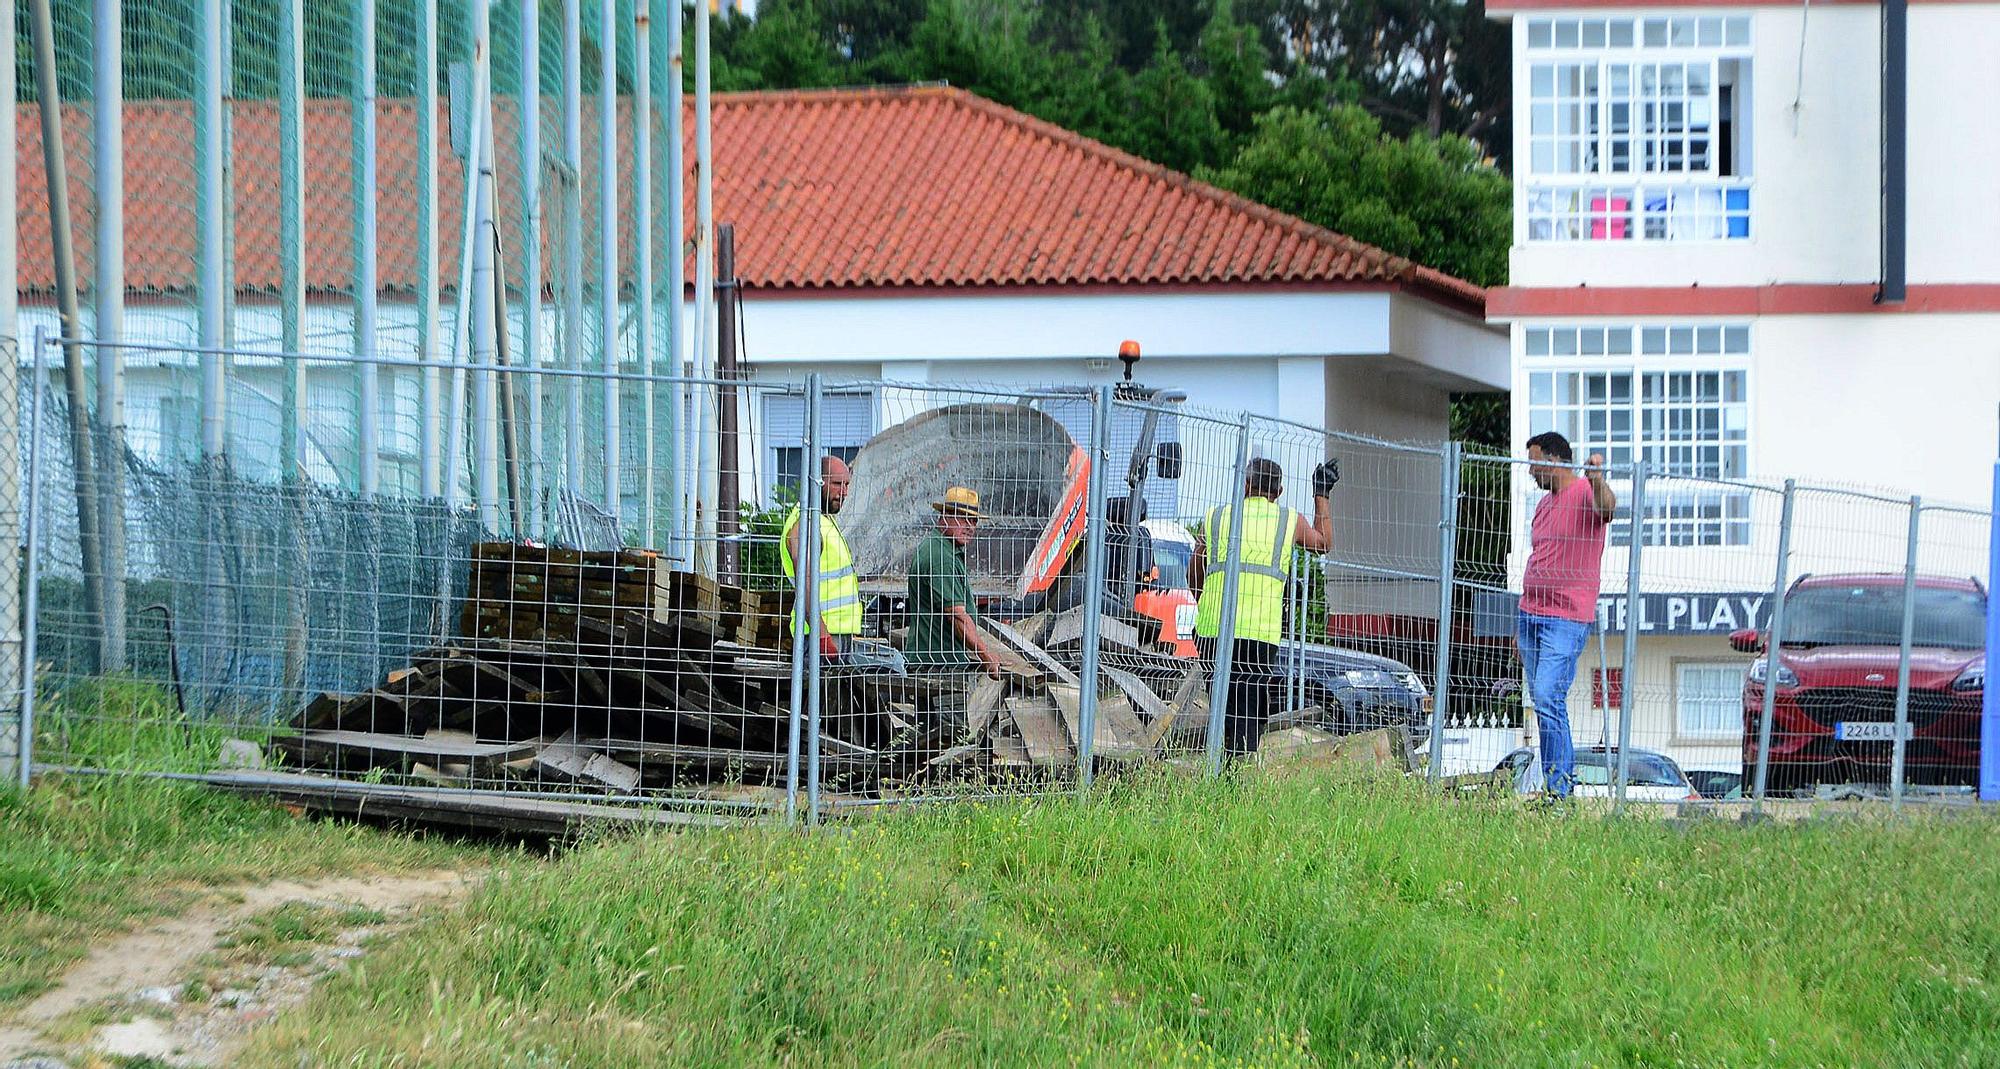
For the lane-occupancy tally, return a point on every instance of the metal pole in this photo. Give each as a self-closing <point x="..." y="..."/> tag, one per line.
<point x="461" y="339"/>
<point x="573" y="240"/>
<point x="1989" y="719"/>
<point x="677" y="285"/>
<point x="214" y="384"/>
<point x="292" y="228"/>
<point x="1093" y="583"/>
<point x="1900" y="746"/>
<point x="607" y="243"/>
<point x="807" y="596"/>
<point x="704" y="288"/>
<point x="292" y="315"/>
<point x="1225" y="642"/>
<point x="1773" y="663"/>
<point x="801" y="614"/>
<point x="1632" y="584"/>
<point x="531" y="250"/>
<point x="228" y="177"/>
<point x="485" y="407"/>
<point x="429" y="448"/>
<point x="642" y="251"/>
<point x="1447" y="587"/>
<point x="11" y="669"/>
<point x="107" y="22"/>
<point x="31" y="605"/>
<point x="368" y="429"/>
<point x="61" y="235"/>
<point x="729" y="465"/>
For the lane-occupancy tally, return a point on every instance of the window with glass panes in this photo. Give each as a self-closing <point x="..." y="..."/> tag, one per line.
<point x="1676" y="396"/>
<point x="847" y="421"/>
<point x="1638" y="128"/>
<point x="1708" y="700"/>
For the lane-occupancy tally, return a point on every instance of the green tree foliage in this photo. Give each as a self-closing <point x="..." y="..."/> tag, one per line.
<point x="1439" y="66"/>
<point x="1431" y="199"/>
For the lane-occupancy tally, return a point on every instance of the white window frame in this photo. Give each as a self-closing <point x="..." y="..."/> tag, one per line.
<point x="1571" y="187"/>
<point x="843" y="437"/>
<point x="1706" y="509"/>
<point x="1729" y="702"/>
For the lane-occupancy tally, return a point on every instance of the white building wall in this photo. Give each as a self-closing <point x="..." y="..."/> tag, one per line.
<point x="1815" y="159"/>
<point x="1954" y="143"/>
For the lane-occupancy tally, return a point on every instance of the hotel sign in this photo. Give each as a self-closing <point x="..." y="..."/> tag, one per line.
<point x="1670" y="613"/>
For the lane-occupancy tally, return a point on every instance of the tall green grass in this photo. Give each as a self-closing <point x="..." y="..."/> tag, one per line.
<point x="1299" y="920"/>
<point x="128" y="725"/>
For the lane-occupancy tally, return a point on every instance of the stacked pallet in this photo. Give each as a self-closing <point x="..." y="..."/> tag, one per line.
<point x="613" y="672"/>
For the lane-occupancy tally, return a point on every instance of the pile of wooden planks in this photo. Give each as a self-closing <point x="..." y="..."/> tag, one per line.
<point x="613" y="673"/>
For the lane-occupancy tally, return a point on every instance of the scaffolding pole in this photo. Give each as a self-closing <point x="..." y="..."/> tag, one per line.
<point x="704" y="294"/>
<point x="573" y="241"/>
<point x="607" y="241"/>
<point x="214" y="383"/>
<point x="485" y="346"/>
<point x="108" y="100"/>
<point x="368" y="376"/>
<point x="677" y="282"/>
<point x="291" y="230"/>
<point x="11" y="631"/>
<point x="531" y="246"/>
<point x="642" y="250"/>
<point x="62" y="238"/>
<point x="429" y="446"/>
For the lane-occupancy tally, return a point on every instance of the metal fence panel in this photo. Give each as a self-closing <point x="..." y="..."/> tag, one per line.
<point x="513" y="634"/>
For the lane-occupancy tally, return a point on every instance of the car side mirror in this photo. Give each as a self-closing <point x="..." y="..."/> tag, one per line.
<point x="1746" y="641"/>
<point x="1167" y="460"/>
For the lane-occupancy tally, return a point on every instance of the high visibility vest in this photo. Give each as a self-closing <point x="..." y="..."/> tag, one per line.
<point x="839" y="587"/>
<point x="1268" y="531"/>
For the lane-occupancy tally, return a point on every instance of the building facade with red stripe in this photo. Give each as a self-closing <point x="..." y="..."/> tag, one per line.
<point x="1753" y="241"/>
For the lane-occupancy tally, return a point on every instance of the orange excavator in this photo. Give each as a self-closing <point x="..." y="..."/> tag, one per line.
<point x="1033" y="479"/>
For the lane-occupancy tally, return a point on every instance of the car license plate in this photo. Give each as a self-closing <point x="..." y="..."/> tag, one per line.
<point x="1869" y="731"/>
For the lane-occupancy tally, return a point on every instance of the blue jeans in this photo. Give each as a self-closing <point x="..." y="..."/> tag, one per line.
<point x="1550" y="647"/>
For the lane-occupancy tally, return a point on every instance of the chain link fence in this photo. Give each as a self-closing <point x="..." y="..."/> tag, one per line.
<point x="1009" y="599"/>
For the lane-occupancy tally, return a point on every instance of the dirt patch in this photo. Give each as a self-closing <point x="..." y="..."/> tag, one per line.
<point x="186" y="990"/>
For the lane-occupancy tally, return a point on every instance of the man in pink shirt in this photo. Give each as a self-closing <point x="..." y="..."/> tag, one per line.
<point x="1559" y="592"/>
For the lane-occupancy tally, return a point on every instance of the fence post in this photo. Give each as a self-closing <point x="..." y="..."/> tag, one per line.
<point x="24" y="750"/>
<point x="1773" y="646"/>
<point x="807" y="594"/>
<point x="1094" y="583"/>
<point x="1900" y="747"/>
<point x="1447" y="585"/>
<point x="800" y="562"/>
<point x="1631" y="654"/>
<point x="1225" y="640"/>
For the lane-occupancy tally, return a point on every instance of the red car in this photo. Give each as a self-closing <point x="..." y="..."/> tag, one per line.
<point x="1835" y="719"/>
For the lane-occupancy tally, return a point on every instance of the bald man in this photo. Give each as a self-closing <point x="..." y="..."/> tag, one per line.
<point x="839" y="587"/>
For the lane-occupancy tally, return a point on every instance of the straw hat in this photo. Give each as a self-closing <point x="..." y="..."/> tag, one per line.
<point x="960" y="501"/>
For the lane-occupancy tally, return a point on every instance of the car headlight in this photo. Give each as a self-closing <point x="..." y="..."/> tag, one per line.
<point x="1370" y="679"/>
<point x="1414" y="683"/>
<point x="1972" y="679"/>
<point x="1761" y="667"/>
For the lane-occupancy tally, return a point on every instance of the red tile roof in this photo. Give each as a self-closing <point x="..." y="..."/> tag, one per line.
<point x="929" y="188"/>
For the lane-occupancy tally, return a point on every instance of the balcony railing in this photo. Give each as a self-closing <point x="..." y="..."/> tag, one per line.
<point x="1712" y="209"/>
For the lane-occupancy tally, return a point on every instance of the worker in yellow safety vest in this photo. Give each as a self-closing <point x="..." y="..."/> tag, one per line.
<point x="1270" y="532"/>
<point x="839" y="586"/>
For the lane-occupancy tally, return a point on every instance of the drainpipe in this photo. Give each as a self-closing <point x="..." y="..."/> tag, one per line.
<point x="1895" y="147"/>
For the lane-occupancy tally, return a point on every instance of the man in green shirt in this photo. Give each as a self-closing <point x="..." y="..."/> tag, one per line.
<point x="944" y="626"/>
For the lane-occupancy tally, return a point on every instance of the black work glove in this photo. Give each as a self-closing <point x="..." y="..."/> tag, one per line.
<point x="1325" y="476"/>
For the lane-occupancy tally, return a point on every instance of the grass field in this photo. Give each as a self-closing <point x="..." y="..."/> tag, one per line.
<point x="1259" y="921"/>
<point x="85" y="856"/>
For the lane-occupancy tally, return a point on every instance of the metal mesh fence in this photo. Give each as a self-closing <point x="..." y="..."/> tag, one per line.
<point x="1015" y="589"/>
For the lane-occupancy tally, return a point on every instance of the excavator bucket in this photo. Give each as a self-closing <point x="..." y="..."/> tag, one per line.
<point x="1030" y="476"/>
